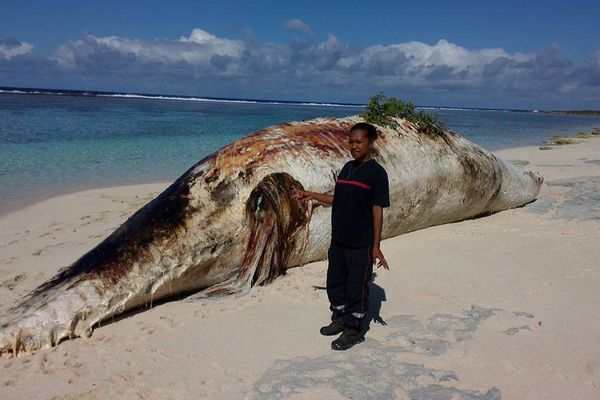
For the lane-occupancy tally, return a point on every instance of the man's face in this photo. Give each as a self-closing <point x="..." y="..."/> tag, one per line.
<point x="358" y="142"/>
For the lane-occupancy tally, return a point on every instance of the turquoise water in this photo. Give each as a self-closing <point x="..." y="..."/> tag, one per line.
<point x="56" y="144"/>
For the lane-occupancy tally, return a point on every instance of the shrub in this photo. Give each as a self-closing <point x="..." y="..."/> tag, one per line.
<point x="381" y="109"/>
<point x="565" y="140"/>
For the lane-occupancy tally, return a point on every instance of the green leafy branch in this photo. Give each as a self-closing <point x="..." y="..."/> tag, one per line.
<point x="382" y="108"/>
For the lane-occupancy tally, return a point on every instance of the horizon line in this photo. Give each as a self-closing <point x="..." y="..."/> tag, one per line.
<point x="161" y="96"/>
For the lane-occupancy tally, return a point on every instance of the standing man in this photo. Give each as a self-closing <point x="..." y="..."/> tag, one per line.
<point x="361" y="193"/>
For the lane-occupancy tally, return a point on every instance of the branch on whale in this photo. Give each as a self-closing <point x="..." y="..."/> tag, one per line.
<point x="383" y="110"/>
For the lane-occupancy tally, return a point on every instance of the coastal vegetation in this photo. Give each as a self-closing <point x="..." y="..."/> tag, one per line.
<point x="566" y="139"/>
<point x="381" y="110"/>
<point x="590" y="113"/>
<point x="584" y="135"/>
<point x="561" y="139"/>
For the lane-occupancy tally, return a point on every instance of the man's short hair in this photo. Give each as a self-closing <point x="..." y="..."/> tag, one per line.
<point x="369" y="129"/>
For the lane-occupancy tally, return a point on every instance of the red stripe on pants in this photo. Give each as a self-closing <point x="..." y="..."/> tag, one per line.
<point x="362" y="296"/>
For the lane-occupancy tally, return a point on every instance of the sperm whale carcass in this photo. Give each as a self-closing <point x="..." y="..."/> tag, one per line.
<point x="231" y="221"/>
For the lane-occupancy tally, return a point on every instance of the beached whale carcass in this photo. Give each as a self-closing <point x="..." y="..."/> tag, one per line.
<point x="230" y="222"/>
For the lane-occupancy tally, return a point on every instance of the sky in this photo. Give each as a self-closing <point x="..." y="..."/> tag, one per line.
<point x="504" y="54"/>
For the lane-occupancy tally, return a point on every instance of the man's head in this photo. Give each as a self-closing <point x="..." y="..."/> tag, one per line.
<point x="368" y="130"/>
<point x="360" y="138"/>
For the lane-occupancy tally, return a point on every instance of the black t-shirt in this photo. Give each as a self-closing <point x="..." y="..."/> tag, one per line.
<point x="358" y="188"/>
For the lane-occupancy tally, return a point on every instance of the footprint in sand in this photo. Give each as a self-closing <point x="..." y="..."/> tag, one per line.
<point x="170" y="322"/>
<point x="515" y="330"/>
<point x="10" y="284"/>
<point x="523" y="314"/>
<point x="593" y="371"/>
<point x="9" y="261"/>
<point x="44" y="365"/>
<point x="60" y="244"/>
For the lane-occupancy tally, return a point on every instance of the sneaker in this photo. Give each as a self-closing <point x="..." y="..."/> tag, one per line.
<point x="348" y="338"/>
<point x="335" y="327"/>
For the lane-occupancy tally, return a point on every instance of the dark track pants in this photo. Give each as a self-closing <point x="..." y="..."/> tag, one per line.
<point x="348" y="274"/>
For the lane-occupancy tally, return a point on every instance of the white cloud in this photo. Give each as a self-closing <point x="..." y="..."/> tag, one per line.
<point x="10" y="48"/>
<point x="402" y="63"/>
<point x="297" y="25"/>
<point x="422" y="63"/>
<point x="200" y="48"/>
<point x="205" y="63"/>
<point x="211" y="44"/>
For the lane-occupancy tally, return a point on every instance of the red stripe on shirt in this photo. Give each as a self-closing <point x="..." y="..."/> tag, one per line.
<point x="354" y="183"/>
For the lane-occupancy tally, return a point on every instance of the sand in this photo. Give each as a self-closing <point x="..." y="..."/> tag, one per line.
<point x="503" y="306"/>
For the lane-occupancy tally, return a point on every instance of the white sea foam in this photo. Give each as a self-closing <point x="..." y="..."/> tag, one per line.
<point x="176" y="98"/>
<point x="236" y="101"/>
<point x="13" y="91"/>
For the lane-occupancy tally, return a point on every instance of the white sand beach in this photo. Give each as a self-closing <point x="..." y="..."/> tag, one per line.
<point x="504" y="306"/>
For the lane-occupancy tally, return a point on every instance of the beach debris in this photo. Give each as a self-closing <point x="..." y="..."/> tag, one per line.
<point x="230" y="222"/>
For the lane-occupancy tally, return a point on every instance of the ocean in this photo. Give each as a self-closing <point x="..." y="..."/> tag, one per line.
<point x="53" y="142"/>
